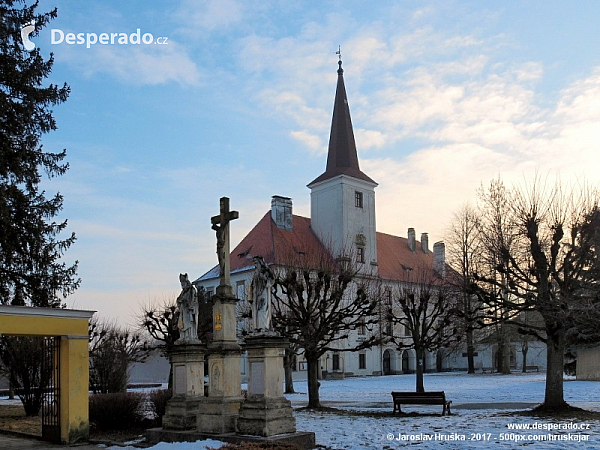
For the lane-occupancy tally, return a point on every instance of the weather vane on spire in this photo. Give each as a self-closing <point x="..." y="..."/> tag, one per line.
<point x="339" y="53"/>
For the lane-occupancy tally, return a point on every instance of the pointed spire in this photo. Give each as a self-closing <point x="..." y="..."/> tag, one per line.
<point x="342" y="158"/>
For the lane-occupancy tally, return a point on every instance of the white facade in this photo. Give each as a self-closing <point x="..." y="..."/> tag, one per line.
<point x="343" y="217"/>
<point x="588" y="363"/>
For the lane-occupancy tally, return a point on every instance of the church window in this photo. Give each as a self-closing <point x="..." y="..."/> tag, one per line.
<point x="362" y="328"/>
<point x="362" y="361"/>
<point x="358" y="199"/>
<point x="360" y="254"/>
<point x="336" y="362"/>
<point x="389" y="328"/>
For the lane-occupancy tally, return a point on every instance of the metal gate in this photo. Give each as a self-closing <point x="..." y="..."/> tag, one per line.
<point x="51" y="395"/>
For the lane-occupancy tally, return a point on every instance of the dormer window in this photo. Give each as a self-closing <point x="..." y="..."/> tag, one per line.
<point x="358" y="199"/>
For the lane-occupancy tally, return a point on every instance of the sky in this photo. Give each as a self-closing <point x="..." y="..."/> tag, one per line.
<point x="235" y="98"/>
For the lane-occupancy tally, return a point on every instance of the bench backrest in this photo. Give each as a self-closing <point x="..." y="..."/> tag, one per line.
<point x="419" y="394"/>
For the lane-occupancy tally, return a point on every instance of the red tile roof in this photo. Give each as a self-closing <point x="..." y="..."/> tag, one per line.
<point x="281" y="247"/>
<point x="396" y="260"/>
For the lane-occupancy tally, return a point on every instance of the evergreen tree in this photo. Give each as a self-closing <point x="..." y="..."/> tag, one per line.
<point x="31" y="270"/>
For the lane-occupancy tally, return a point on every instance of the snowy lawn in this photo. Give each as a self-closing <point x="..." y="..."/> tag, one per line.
<point x="484" y="408"/>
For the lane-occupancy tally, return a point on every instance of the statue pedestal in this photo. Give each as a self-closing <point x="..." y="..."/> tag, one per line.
<point x="187" y="364"/>
<point x="266" y="412"/>
<point x="219" y="411"/>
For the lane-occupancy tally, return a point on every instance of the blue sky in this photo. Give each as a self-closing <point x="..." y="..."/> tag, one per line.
<point x="444" y="96"/>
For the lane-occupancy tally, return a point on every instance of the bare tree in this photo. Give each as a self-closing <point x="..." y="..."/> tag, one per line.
<point x="112" y="349"/>
<point x="551" y="267"/>
<point x="159" y="320"/>
<point x="320" y="302"/>
<point x="465" y="251"/>
<point x="21" y="358"/>
<point x="498" y="238"/>
<point x="424" y="306"/>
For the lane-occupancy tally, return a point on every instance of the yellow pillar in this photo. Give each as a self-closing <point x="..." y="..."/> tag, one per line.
<point x="74" y="389"/>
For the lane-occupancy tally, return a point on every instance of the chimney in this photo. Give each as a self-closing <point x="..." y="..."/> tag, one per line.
<point x="425" y="243"/>
<point x="412" y="244"/>
<point x="281" y="212"/>
<point x="439" y="258"/>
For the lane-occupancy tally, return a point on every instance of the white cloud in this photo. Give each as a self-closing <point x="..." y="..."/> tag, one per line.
<point x="137" y="64"/>
<point x="311" y="141"/>
<point x="195" y="16"/>
<point x="369" y="139"/>
<point x="423" y="189"/>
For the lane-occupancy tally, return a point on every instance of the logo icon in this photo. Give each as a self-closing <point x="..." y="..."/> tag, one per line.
<point x="25" y="32"/>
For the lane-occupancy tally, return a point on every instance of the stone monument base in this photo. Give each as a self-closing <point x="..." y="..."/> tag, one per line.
<point x="187" y="365"/>
<point x="217" y="415"/>
<point x="181" y="413"/>
<point x="303" y="439"/>
<point x="260" y="416"/>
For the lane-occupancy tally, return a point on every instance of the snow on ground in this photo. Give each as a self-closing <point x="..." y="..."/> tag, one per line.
<point x="482" y="406"/>
<point x="459" y="387"/>
<point x="203" y="445"/>
<point x="484" y="409"/>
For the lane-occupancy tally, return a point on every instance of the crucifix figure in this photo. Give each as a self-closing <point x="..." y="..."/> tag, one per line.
<point x="220" y="224"/>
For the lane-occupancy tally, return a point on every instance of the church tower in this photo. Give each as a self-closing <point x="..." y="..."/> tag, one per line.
<point x="343" y="197"/>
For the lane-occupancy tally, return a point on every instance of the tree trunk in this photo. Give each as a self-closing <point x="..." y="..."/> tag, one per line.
<point x="505" y="361"/>
<point x="470" y="351"/>
<point x="505" y="330"/>
<point x="524" y="349"/>
<point x="420" y="355"/>
<point x="555" y="359"/>
<point x="170" y="382"/>
<point x="288" y="360"/>
<point x="313" y="382"/>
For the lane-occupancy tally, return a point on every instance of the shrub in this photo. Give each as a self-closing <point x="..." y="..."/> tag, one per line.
<point x="117" y="411"/>
<point x="158" y="402"/>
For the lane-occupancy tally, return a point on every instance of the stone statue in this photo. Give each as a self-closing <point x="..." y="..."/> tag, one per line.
<point x="187" y="302"/>
<point x="261" y="295"/>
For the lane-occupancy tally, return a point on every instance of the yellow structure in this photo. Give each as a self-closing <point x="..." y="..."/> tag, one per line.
<point x="71" y="326"/>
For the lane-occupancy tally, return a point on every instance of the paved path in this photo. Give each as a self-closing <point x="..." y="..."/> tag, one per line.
<point x="9" y="442"/>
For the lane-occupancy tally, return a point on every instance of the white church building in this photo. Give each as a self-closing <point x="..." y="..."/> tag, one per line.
<point x="342" y="218"/>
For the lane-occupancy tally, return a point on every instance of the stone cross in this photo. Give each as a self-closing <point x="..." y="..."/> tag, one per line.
<point x="220" y="224"/>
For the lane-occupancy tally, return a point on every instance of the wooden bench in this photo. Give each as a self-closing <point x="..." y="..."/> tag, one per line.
<point x="532" y="368"/>
<point x="421" y="398"/>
